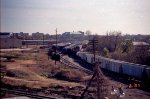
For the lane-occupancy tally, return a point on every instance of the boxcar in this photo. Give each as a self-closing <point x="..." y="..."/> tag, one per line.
<point x="134" y="70"/>
<point x="103" y="63"/>
<point x="89" y="58"/>
<point x="121" y="67"/>
<point x="116" y="66"/>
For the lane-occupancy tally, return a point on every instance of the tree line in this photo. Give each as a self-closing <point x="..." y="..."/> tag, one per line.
<point x="117" y="46"/>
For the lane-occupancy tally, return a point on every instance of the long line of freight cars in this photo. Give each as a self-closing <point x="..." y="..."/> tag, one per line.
<point x="120" y="67"/>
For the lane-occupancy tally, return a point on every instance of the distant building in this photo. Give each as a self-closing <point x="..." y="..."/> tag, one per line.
<point x="37" y="36"/>
<point x="10" y="40"/>
<point x="71" y="36"/>
<point x="141" y="46"/>
<point x="46" y="37"/>
<point x="38" y="42"/>
<point x="24" y="36"/>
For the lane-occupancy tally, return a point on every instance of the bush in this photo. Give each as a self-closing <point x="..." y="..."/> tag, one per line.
<point x="16" y="73"/>
<point x="106" y="52"/>
<point x="69" y="75"/>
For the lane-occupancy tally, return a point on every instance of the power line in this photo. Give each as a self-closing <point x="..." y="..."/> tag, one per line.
<point x="101" y="82"/>
<point x="56" y="46"/>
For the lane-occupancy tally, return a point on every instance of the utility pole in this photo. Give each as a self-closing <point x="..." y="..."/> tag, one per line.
<point x="13" y="37"/>
<point x="43" y="39"/>
<point x="56" y="46"/>
<point x="91" y="42"/>
<point x="100" y="80"/>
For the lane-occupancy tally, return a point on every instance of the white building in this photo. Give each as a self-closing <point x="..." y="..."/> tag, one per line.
<point x="9" y="40"/>
<point x="73" y="36"/>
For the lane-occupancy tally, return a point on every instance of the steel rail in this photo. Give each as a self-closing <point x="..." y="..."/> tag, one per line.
<point x="70" y="64"/>
<point x="31" y="95"/>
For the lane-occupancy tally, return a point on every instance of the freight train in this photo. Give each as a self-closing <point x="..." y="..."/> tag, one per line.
<point x="72" y="49"/>
<point x="137" y="71"/>
<point x="63" y="48"/>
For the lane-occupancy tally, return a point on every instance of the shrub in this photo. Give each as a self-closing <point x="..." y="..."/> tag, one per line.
<point x="16" y="73"/>
<point x="69" y="74"/>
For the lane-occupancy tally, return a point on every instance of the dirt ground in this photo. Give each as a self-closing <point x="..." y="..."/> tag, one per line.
<point x="129" y="93"/>
<point x="29" y="73"/>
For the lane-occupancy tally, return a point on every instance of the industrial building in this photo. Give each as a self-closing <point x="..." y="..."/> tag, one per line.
<point x="10" y="40"/>
<point x="73" y="36"/>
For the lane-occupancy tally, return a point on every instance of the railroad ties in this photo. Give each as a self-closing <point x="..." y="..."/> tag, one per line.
<point x="70" y="64"/>
<point x="31" y="95"/>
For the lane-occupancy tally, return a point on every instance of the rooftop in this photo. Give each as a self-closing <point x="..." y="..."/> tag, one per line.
<point x="4" y="34"/>
<point x="66" y="33"/>
<point x="140" y="43"/>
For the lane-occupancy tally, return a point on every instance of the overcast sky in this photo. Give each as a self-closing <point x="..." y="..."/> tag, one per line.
<point x="99" y="16"/>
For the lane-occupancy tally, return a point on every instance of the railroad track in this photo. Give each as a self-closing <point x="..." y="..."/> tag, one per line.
<point x="24" y="93"/>
<point x="70" y="64"/>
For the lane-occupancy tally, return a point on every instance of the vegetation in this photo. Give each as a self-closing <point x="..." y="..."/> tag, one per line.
<point x="116" y="46"/>
<point x="34" y="70"/>
<point x="106" y="52"/>
<point x="126" y="46"/>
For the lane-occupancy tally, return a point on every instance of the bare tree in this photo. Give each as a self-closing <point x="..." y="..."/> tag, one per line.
<point x="88" y="33"/>
<point x="111" y="41"/>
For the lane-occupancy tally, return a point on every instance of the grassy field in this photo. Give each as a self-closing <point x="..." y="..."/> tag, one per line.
<point x="34" y="70"/>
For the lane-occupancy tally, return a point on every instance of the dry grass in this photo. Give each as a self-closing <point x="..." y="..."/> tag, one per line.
<point x="19" y="64"/>
<point x="36" y="83"/>
<point x="70" y="74"/>
<point x="34" y="70"/>
<point x="87" y="78"/>
<point x="59" y="71"/>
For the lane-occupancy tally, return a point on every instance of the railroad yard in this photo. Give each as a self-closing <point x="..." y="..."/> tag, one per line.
<point x="33" y="75"/>
<point x="75" y="49"/>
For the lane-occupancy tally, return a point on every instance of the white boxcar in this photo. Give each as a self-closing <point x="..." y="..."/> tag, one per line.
<point x="89" y="58"/>
<point x="82" y="55"/>
<point x="103" y="62"/>
<point x="116" y="66"/>
<point x="92" y="59"/>
<point x="134" y="70"/>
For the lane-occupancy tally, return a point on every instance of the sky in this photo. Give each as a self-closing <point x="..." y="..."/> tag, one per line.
<point x="98" y="16"/>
